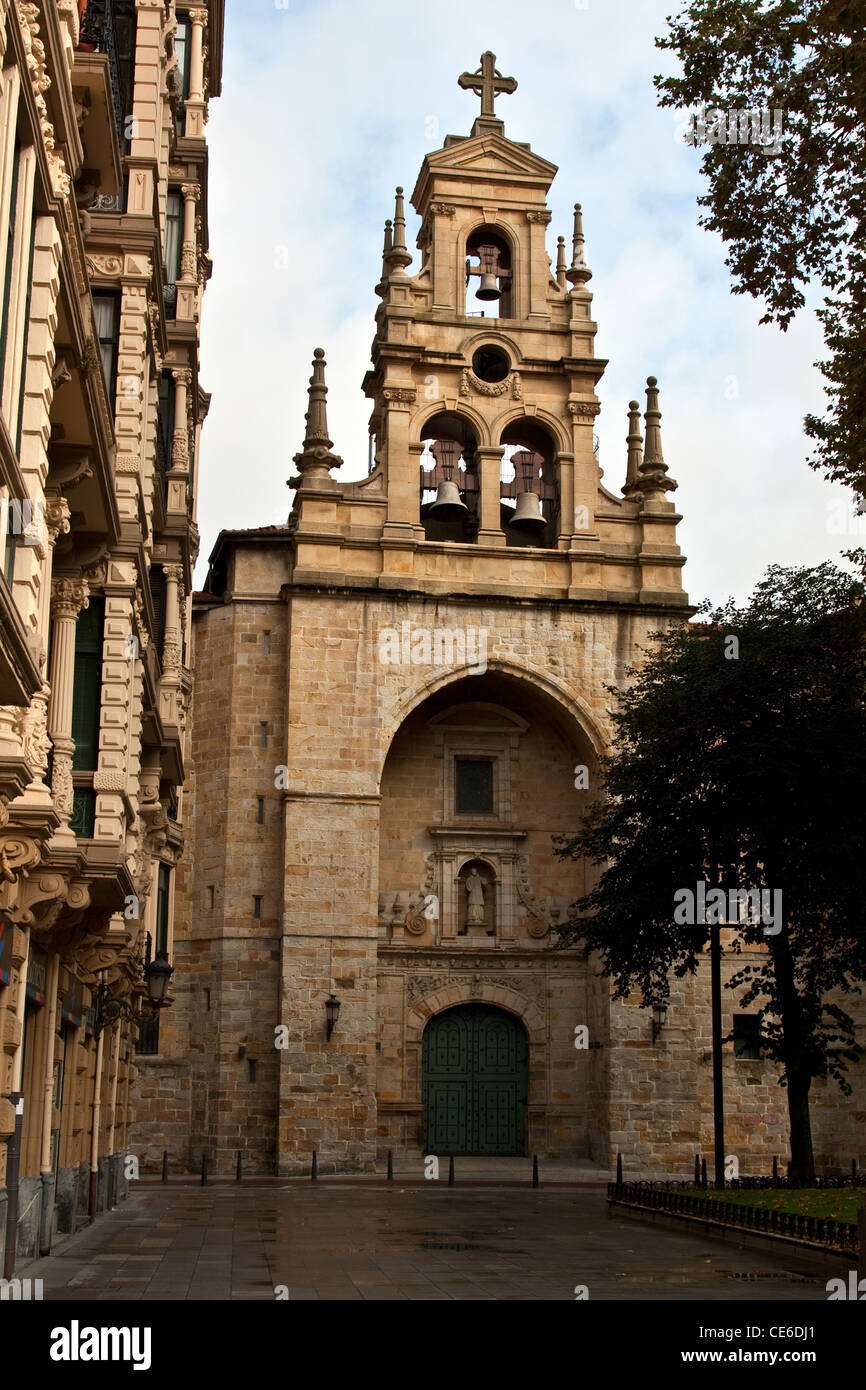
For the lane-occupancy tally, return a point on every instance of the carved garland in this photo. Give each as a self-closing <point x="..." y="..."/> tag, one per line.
<point x="470" y="385"/>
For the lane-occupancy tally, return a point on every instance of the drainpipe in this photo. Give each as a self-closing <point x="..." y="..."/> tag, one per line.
<point x="45" y="1164"/>
<point x="94" y="1138"/>
<point x="13" y="1150"/>
<point x="116" y="1065"/>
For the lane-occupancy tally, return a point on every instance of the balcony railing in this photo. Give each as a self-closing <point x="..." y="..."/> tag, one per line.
<point x="98" y="31"/>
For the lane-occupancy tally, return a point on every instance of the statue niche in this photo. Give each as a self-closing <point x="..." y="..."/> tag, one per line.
<point x="476" y="899"/>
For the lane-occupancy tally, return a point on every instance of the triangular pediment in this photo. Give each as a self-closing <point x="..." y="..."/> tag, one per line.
<point x="484" y="156"/>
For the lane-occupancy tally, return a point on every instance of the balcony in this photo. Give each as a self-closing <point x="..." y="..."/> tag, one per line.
<point x="98" y="87"/>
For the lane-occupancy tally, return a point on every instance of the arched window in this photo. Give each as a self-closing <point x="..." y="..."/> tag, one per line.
<point x="529" y="486"/>
<point x="449" y="480"/>
<point x="488" y="269"/>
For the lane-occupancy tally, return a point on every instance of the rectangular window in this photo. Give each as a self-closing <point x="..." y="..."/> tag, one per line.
<point x="165" y="421"/>
<point x="261" y="810"/>
<point x="10" y="261"/>
<point x="106" y="312"/>
<point x="181" y="48"/>
<point x="474" y="786"/>
<point x="147" y="1042"/>
<point x="267" y="643"/>
<point x="263" y="735"/>
<point x="747" y="1036"/>
<point x="210" y="896"/>
<point x="163" y="887"/>
<point x="11" y="538"/>
<point x="157" y="594"/>
<point x="173" y="246"/>
<point x="87" y="685"/>
<point x="257" y="906"/>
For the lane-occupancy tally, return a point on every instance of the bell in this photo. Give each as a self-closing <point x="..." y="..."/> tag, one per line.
<point x="528" y="513"/>
<point x="489" y="288"/>
<point x="448" y="505"/>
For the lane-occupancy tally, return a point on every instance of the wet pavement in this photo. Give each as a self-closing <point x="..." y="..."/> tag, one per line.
<point x="339" y="1240"/>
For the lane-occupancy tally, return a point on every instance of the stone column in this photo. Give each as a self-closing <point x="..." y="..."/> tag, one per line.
<point x="488" y="461"/>
<point x="68" y="597"/>
<point x="191" y="194"/>
<point x="171" y="648"/>
<point x="187" y="285"/>
<point x="195" y="102"/>
<point x="179" y="475"/>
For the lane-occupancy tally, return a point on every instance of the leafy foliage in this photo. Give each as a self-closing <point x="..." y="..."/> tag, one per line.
<point x="742" y="771"/>
<point x="796" y="216"/>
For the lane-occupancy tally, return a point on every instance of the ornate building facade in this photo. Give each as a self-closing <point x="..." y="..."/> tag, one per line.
<point x="103" y="263"/>
<point x="400" y="700"/>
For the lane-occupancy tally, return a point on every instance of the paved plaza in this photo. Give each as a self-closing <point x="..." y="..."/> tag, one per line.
<point x="344" y="1239"/>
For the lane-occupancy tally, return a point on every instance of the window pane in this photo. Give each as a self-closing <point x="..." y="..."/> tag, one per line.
<point x="173" y="214"/>
<point x="474" y="786"/>
<point x="162" y="910"/>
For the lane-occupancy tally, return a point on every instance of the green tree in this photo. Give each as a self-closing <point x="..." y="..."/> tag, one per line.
<point x="795" y="216"/>
<point x="739" y="760"/>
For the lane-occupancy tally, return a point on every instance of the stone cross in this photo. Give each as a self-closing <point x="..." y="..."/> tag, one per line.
<point x="487" y="82"/>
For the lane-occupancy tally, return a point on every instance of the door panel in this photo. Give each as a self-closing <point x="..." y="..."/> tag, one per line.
<point x="475" y="1069"/>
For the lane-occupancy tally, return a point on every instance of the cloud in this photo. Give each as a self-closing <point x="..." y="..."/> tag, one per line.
<point x="328" y="104"/>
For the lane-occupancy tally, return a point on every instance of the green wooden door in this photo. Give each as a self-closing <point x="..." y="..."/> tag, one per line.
<point x="474" y="1082"/>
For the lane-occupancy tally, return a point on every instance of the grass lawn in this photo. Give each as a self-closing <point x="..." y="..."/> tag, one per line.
<point x="833" y="1204"/>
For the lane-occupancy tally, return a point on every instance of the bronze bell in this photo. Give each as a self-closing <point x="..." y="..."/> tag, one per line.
<point x="528" y="513"/>
<point x="489" y="288"/>
<point x="448" y="505"/>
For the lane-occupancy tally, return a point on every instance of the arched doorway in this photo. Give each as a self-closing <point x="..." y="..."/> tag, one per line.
<point x="474" y="1082"/>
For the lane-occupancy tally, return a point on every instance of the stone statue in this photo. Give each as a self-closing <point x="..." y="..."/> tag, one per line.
<point x="474" y="899"/>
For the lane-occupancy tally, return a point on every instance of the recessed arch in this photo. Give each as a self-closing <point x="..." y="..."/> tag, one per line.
<point x="422" y="418"/>
<point x="576" y="719"/>
<point x="511" y="1001"/>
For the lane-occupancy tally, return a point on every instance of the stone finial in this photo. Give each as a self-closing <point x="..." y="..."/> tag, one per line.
<point x="654" y="470"/>
<point x="634" y="440"/>
<point x="579" y="272"/>
<point x="316" y="459"/>
<point x="397" y="257"/>
<point x="560" y="263"/>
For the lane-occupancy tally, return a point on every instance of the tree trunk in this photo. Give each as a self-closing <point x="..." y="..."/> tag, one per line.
<point x="802" y="1159"/>
<point x="794" y="1050"/>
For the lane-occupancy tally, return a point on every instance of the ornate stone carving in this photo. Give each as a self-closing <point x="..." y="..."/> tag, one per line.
<point x="402" y="394"/>
<point x="109" y="782"/>
<point x="543" y="218"/>
<point x="33" y="732"/>
<point x="584" y="410"/>
<point x="61" y="783"/>
<point x="57" y="516"/>
<point x="470" y="385"/>
<point x="443" y="209"/>
<point x="105" y="266"/>
<point x="34" y="50"/>
<point x="419" y="985"/>
<point x="538" y="924"/>
<point x="68" y="597"/>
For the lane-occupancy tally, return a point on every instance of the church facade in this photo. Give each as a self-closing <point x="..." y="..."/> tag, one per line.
<point x="400" y="700"/>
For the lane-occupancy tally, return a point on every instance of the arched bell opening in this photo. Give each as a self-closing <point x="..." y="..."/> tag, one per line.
<point x="529" y="486"/>
<point x="449" y="480"/>
<point x="488" y="265"/>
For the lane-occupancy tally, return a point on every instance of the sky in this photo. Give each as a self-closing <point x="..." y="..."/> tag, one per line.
<point x="327" y="105"/>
